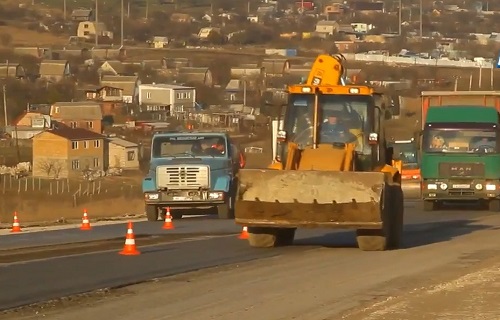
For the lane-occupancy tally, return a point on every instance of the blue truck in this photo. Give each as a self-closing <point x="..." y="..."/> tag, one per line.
<point x="191" y="170"/>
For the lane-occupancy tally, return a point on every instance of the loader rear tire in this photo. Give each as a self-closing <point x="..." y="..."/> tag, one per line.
<point x="396" y="223"/>
<point x="371" y="240"/>
<point x="259" y="237"/>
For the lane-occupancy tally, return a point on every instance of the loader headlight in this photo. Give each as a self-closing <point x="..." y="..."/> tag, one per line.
<point x="491" y="187"/>
<point x="306" y="89"/>
<point x="479" y="186"/>
<point x="151" y="196"/>
<point x="354" y="90"/>
<point x="216" y="195"/>
<point x="432" y="186"/>
<point x="443" y="186"/>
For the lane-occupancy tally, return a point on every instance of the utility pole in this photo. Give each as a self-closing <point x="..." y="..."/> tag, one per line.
<point x="96" y="24"/>
<point x="121" y="24"/>
<point x="128" y="9"/>
<point x="147" y="9"/>
<point x="5" y="105"/>
<point x="421" y="23"/>
<point x="400" y="16"/>
<point x="64" y="10"/>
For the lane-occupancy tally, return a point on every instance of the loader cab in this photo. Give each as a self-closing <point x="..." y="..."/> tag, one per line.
<point x="354" y="115"/>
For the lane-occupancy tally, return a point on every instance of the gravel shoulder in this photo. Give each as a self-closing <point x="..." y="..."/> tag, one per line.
<point x="325" y="283"/>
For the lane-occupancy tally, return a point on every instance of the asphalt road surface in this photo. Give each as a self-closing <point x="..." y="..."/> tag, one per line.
<point x="323" y="276"/>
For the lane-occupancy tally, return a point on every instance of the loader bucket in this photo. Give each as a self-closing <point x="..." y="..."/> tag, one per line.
<point x="293" y="198"/>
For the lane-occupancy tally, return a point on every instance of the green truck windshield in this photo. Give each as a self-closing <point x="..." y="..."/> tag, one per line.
<point x="456" y="140"/>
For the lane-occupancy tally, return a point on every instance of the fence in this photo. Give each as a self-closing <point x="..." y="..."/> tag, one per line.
<point x="418" y="61"/>
<point x="76" y="190"/>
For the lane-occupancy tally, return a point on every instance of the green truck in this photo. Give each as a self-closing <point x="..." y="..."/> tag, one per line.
<point x="460" y="149"/>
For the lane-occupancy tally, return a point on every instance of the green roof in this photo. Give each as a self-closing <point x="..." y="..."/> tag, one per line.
<point x="462" y="114"/>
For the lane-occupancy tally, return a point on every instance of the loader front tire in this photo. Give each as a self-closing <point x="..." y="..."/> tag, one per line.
<point x="259" y="237"/>
<point x="371" y="239"/>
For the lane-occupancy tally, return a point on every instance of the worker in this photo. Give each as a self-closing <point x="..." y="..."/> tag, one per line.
<point x="220" y="145"/>
<point x="485" y="145"/>
<point x="333" y="131"/>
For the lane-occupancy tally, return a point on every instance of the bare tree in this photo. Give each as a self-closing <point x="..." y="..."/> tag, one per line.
<point x="51" y="167"/>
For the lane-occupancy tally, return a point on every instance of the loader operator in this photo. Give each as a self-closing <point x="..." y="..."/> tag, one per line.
<point x="334" y="132"/>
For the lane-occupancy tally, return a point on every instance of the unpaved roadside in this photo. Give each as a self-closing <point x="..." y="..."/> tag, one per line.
<point x="325" y="283"/>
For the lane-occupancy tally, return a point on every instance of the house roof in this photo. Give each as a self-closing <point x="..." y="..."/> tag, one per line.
<point x="164" y="86"/>
<point x="75" y="134"/>
<point x="122" y="142"/>
<point x="53" y="67"/>
<point x="127" y="83"/>
<point x="81" y="12"/>
<point x="80" y="110"/>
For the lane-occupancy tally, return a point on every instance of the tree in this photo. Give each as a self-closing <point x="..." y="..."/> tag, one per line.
<point x="51" y="167"/>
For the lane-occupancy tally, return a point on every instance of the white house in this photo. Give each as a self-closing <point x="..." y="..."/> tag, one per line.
<point x="123" y="154"/>
<point x="166" y="99"/>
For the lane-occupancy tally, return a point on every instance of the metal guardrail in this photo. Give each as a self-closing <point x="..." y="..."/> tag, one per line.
<point x="418" y="61"/>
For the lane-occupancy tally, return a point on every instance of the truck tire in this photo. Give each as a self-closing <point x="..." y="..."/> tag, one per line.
<point x="152" y="212"/>
<point x="371" y="239"/>
<point x="429" y="205"/>
<point x="494" y="205"/>
<point x="259" y="237"/>
<point x="226" y="210"/>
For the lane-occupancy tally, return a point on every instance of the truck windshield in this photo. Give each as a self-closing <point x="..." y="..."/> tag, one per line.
<point x="189" y="145"/>
<point x="460" y="140"/>
<point x="407" y="153"/>
<point x="342" y="118"/>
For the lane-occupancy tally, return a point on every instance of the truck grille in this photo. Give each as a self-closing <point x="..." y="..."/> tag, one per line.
<point x="182" y="177"/>
<point x="450" y="169"/>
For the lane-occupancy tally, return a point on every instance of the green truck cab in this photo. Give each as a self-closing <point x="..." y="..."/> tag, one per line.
<point x="460" y="151"/>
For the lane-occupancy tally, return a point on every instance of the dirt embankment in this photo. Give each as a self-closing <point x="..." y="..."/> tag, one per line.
<point x="37" y="209"/>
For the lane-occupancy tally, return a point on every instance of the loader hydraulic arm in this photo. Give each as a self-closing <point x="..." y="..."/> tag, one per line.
<point x="327" y="70"/>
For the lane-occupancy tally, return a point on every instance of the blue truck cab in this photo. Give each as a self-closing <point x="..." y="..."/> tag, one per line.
<point x="191" y="170"/>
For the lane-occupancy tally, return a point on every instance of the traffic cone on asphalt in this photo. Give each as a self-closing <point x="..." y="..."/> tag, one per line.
<point x="16" y="227"/>
<point x="244" y="234"/>
<point x="168" y="225"/>
<point x="85" y="221"/>
<point x="130" y="249"/>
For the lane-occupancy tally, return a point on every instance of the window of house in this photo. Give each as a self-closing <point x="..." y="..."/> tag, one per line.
<point x="86" y="33"/>
<point x="183" y="95"/>
<point x="86" y="25"/>
<point x="75" y="164"/>
<point x="131" y="155"/>
<point x="85" y="144"/>
<point x="90" y="124"/>
<point x="96" y="162"/>
<point x="97" y="143"/>
<point x="73" y="124"/>
<point x="56" y="110"/>
<point x="148" y="95"/>
<point x="74" y="145"/>
<point x="232" y="97"/>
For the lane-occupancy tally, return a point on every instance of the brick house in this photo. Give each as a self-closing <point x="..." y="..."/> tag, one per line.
<point x="66" y="152"/>
<point x="80" y="114"/>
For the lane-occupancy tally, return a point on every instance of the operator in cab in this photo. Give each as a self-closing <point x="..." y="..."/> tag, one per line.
<point x="333" y="131"/>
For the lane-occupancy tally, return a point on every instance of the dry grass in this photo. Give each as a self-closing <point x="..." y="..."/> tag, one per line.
<point x="25" y="37"/>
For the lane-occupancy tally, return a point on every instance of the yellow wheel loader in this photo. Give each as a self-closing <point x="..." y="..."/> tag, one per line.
<point x="332" y="168"/>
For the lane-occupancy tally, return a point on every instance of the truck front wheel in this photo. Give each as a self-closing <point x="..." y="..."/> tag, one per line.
<point x="494" y="205"/>
<point x="152" y="212"/>
<point x="226" y="210"/>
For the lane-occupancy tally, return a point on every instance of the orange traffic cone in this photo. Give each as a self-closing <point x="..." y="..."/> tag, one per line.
<point x="130" y="249"/>
<point x="168" y="225"/>
<point x="244" y="233"/>
<point x="16" y="227"/>
<point x="85" y="221"/>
